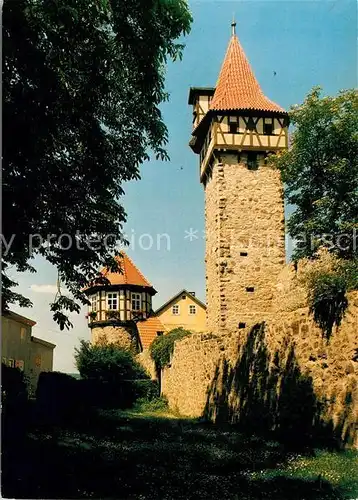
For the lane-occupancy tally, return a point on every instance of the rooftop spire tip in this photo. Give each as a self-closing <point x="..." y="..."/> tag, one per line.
<point x="233" y="26"/>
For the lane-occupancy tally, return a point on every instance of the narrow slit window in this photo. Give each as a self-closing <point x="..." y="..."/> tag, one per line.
<point x="250" y="289"/>
<point x="252" y="161"/>
<point x="242" y="325"/>
<point x="243" y="254"/>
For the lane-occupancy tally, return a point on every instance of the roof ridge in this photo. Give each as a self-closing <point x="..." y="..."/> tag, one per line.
<point x="184" y="290"/>
<point x="138" y="270"/>
<point x="122" y="256"/>
<point x="127" y="274"/>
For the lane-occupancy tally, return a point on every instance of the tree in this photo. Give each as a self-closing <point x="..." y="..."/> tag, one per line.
<point x="320" y="172"/>
<point x="82" y="85"/>
<point x="107" y="363"/>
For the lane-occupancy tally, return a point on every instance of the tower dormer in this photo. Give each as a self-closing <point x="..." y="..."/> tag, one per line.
<point x="234" y="133"/>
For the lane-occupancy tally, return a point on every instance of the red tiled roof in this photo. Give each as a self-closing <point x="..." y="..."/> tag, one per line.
<point x="148" y="330"/>
<point x="237" y="87"/>
<point x="129" y="274"/>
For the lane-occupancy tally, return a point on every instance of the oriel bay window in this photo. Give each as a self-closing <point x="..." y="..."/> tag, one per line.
<point x="94" y="303"/>
<point x="112" y="301"/>
<point x="136" y="302"/>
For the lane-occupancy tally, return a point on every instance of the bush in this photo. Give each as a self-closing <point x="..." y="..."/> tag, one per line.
<point x="14" y="404"/>
<point x="13" y="387"/>
<point x="107" y="362"/>
<point x="159" y="404"/>
<point x="58" y="397"/>
<point x="327" y="300"/>
<point x="162" y="347"/>
<point x="146" y="389"/>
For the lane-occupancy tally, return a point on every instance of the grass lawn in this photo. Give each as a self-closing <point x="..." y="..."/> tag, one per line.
<point x="155" y="455"/>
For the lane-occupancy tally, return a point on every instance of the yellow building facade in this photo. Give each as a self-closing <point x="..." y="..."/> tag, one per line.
<point x="20" y="349"/>
<point x="183" y="310"/>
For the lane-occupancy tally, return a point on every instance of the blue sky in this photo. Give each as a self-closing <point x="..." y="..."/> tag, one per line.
<point x="306" y="43"/>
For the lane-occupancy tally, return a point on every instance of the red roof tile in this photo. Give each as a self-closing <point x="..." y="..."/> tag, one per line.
<point x="129" y="274"/>
<point x="237" y="87"/>
<point x="148" y="330"/>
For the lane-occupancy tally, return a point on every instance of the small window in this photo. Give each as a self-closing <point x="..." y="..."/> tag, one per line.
<point x="112" y="301"/>
<point x="242" y="325"/>
<point x="11" y="363"/>
<point x="251" y="124"/>
<point x="94" y="303"/>
<point x="159" y="334"/>
<point x="192" y="309"/>
<point x="136" y="301"/>
<point x="243" y="254"/>
<point x="250" y="289"/>
<point x="233" y="128"/>
<point x="183" y="297"/>
<point x="252" y="162"/>
<point x="268" y="129"/>
<point x="175" y="310"/>
<point x="23" y="333"/>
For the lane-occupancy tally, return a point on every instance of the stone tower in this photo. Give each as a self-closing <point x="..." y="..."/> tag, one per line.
<point x="235" y="128"/>
<point x="118" y="302"/>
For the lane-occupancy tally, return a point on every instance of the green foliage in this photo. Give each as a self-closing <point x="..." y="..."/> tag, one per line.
<point x="146" y="389"/>
<point x="14" y="391"/>
<point x="327" y="293"/>
<point x="320" y="172"/>
<point x="348" y="269"/>
<point x="82" y="85"/>
<point x="162" y="347"/>
<point x="107" y="363"/>
<point x="328" y="301"/>
<point x="158" y="404"/>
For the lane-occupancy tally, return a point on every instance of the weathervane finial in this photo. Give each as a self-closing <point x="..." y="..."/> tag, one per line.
<point x="233" y="26"/>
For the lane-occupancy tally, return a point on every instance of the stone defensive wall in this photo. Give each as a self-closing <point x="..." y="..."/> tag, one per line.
<point x="279" y="375"/>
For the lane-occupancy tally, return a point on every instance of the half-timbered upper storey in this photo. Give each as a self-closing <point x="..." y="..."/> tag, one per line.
<point x="236" y="115"/>
<point x="122" y="296"/>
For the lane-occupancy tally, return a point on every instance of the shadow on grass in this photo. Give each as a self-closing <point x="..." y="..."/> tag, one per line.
<point x="112" y="454"/>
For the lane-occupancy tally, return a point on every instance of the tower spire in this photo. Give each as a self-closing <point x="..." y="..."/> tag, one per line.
<point x="237" y="87"/>
<point x="233" y="26"/>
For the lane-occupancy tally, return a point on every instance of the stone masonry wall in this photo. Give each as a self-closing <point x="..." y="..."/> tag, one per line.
<point x="271" y="374"/>
<point x="245" y="250"/>
<point x="124" y="336"/>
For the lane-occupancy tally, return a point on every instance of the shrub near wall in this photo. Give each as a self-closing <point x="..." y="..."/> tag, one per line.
<point x="58" y="398"/>
<point x="14" y="403"/>
<point x="162" y="347"/>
